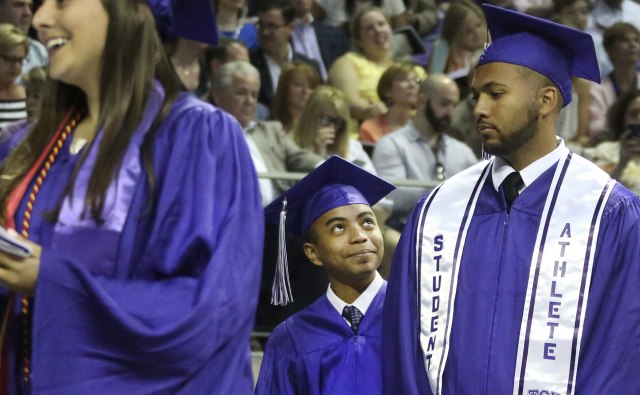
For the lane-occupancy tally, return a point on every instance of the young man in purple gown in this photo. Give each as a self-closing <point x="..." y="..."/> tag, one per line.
<point x="520" y="274"/>
<point x="332" y="346"/>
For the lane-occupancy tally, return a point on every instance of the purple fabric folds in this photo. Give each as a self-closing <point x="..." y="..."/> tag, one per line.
<point x="315" y="352"/>
<point x="157" y="299"/>
<point x="490" y="296"/>
<point x="190" y="19"/>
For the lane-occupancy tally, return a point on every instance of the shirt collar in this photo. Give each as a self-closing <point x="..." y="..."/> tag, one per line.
<point x="250" y="126"/>
<point x="414" y="133"/>
<point x="501" y="169"/>
<point x="364" y="300"/>
<point x="306" y="20"/>
<point x="270" y="60"/>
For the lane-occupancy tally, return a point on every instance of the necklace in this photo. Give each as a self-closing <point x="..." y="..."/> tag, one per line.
<point x="189" y="73"/>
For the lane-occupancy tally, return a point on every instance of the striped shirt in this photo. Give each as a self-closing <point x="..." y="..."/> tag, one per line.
<point x="12" y="111"/>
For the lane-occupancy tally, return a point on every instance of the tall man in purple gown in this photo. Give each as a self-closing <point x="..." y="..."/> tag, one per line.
<point x="519" y="275"/>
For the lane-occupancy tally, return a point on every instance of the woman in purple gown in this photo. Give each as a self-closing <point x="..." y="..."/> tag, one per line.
<point x="132" y="195"/>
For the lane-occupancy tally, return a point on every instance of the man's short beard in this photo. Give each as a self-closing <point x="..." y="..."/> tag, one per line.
<point x="439" y="124"/>
<point x="514" y="141"/>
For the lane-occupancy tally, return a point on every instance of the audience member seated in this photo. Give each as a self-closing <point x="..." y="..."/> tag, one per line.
<point x="574" y="13"/>
<point x="398" y="90"/>
<point x="423" y="15"/>
<point x="621" y="158"/>
<point x="315" y="39"/>
<point x="464" y="33"/>
<point x="297" y="81"/>
<point x="605" y="14"/>
<point x="13" y="50"/>
<point x="357" y="72"/>
<point x="33" y="82"/>
<point x="19" y="13"/>
<point x="338" y="12"/>
<point x="235" y="90"/>
<point x="622" y="43"/>
<point x="227" y="50"/>
<point x="324" y="129"/>
<point x="232" y="22"/>
<point x="275" y="27"/>
<point x="421" y="150"/>
<point x="185" y="57"/>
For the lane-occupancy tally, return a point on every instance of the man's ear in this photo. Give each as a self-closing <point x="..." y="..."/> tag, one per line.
<point x="549" y="98"/>
<point x="312" y="254"/>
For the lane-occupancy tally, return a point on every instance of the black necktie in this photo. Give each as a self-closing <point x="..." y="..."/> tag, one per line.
<point x="511" y="186"/>
<point x="354" y="316"/>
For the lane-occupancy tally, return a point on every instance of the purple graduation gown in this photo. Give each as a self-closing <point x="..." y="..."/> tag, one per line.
<point x="158" y="300"/>
<point x="315" y="352"/>
<point x="490" y="300"/>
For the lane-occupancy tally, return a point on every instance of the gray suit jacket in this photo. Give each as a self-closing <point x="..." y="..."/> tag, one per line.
<point x="280" y="153"/>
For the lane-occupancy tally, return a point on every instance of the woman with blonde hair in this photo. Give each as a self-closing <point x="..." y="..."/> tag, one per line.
<point x="324" y="129"/>
<point x="297" y="80"/>
<point x="14" y="46"/>
<point x="464" y="32"/>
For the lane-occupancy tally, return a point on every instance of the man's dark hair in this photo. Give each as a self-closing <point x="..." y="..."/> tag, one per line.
<point x="221" y="51"/>
<point x="284" y="6"/>
<point x="537" y="81"/>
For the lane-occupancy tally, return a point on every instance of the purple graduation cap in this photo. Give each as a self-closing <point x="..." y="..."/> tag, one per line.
<point x="556" y="51"/>
<point x="190" y="19"/>
<point x="335" y="183"/>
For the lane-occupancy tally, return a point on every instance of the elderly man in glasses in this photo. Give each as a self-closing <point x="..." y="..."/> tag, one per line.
<point x="421" y="150"/>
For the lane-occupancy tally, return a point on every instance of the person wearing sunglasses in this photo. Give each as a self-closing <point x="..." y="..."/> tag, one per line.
<point x="421" y="150"/>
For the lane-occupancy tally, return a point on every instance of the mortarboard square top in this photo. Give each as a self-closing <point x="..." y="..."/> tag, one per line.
<point x="334" y="183"/>
<point x="556" y="51"/>
<point x="190" y="19"/>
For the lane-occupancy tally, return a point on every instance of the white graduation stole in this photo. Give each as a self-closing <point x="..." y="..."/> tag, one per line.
<point x="557" y="293"/>
<point x="442" y="229"/>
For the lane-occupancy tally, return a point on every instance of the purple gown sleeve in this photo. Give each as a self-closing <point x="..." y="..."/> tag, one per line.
<point x="277" y="373"/>
<point x="610" y="351"/>
<point x="176" y="313"/>
<point x="403" y="370"/>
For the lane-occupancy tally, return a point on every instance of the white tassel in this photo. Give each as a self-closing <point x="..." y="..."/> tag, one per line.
<point x="281" y="290"/>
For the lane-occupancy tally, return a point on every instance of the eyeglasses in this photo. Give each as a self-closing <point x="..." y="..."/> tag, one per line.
<point x="408" y="79"/>
<point x="269" y="26"/>
<point x="12" y="59"/>
<point x="326" y="120"/>
<point x="440" y="173"/>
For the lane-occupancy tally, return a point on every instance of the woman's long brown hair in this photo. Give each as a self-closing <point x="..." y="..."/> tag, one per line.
<point x="132" y="58"/>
